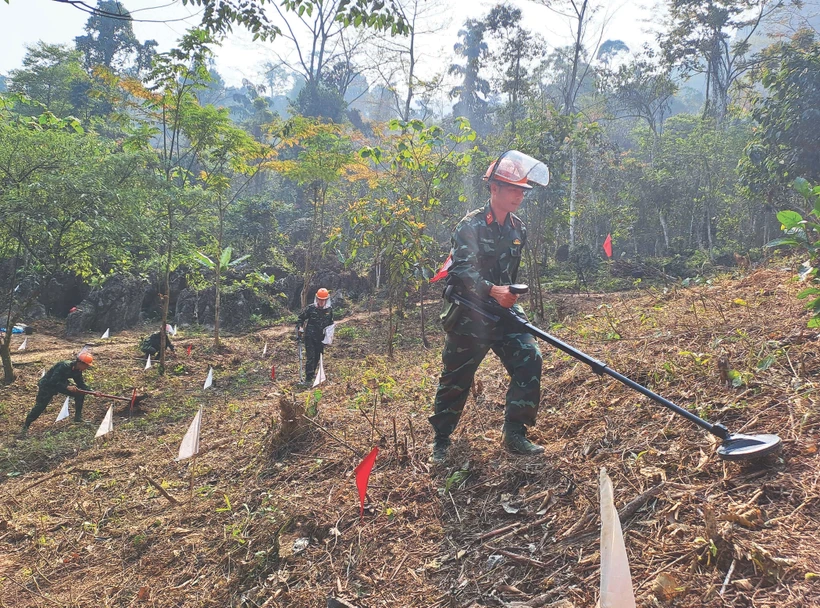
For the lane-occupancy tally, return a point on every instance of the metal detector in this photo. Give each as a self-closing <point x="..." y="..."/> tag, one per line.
<point x="735" y="446"/>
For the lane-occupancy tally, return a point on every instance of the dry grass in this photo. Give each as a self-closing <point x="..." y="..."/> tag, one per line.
<point x="275" y="518"/>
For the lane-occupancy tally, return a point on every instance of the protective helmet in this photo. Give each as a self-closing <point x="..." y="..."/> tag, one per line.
<point x="85" y="357"/>
<point x="508" y="171"/>
<point x="169" y="329"/>
<point x="516" y="168"/>
<point x="322" y="294"/>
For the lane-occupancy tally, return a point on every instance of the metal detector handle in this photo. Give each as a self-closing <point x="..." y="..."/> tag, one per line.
<point x="597" y="366"/>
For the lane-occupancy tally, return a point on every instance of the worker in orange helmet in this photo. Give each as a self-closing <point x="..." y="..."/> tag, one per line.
<point x="56" y="380"/>
<point x="310" y="327"/>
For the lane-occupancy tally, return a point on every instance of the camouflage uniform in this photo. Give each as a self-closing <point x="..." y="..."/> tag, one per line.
<point x="486" y="254"/>
<point x="56" y="381"/>
<point x="317" y="319"/>
<point x="150" y="346"/>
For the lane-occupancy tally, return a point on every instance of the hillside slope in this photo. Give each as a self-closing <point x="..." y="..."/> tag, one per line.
<point x="274" y="519"/>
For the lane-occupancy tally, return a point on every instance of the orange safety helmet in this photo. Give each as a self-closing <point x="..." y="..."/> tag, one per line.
<point x="322" y="294"/>
<point x="86" y="358"/>
<point x="508" y="171"/>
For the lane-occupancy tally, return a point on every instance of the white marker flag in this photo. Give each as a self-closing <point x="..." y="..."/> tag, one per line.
<point x="175" y="331"/>
<point x="329" y="330"/>
<point x="63" y="412"/>
<point x="148" y="362"/>
<point x="105" y="335"/>
<point x="210" y="379"/>
<point x="320" y="373"/>
<point x="265" y="350"/>
<point x="190" y="443"/>
<point x="43" y="375"/>
<point x="107" y="424"/>
<point x="616" y="582"/>
<point x="23" y="345"/>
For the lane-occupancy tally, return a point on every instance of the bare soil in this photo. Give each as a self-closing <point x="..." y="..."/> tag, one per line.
<point x="274" y="518"/>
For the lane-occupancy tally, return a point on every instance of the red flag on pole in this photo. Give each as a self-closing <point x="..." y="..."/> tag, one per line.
<point x="363" y="475"/>
<point x="608" y="245"/>
<point x="273" y="372"/>
<point x="189" y="349"/>
<point x="442" y="272"/>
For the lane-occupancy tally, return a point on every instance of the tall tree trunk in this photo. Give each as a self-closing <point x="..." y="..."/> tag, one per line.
<point x="422" y="289"/>
<point x="218" y="279"/>
<point x="665" y="228"/>
<point x="572" y="192"/>
<point x="166" y="297"/>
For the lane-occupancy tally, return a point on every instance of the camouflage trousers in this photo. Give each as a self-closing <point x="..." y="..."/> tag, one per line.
<point x="44" y="397"/>
<point x="461" y="357"/>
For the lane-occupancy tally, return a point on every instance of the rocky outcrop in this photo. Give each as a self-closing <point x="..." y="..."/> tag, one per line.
<point x="116" y="305"/>
<point x="235" y="308"/>
<point x="348" y="283"/>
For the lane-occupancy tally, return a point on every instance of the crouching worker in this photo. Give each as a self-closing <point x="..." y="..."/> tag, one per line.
<point x="56" y="380"/>
<point x="151" y="344"/>
<point x="310" y="327"/>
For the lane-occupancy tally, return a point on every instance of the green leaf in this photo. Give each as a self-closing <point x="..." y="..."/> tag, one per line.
<point x="239" y="260"/>
<point x="783" y="241"/>
<point x="766" y="362"/>
<point x="205" y="260"/>
<point x="813" y="322"/>
<point x="225" y="257"/>
<point x="803" y="187"/>
<point x="810" y="291"/>
<point x="789" y="219"/>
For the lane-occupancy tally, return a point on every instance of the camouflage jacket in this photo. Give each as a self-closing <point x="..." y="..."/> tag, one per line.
<point x="153" y="341"/>
<point x="485" y="253"/>
<point x="56" y="379"/>
<point x="317" y="319"/>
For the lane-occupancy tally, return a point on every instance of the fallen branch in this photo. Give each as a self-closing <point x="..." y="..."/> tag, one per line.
<point x="162" y="491"/>
<point x="513" y="529"/>
<point x="332" y="436"/>
<point x="630" y="508"/>
<point x="519" y="558"/>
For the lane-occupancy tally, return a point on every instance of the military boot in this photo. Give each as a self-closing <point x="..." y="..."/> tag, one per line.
<point x="440" y="446"/>
<point x="514" y="438"/>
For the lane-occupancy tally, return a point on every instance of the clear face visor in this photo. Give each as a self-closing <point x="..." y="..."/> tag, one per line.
<point x="525" y="166"/>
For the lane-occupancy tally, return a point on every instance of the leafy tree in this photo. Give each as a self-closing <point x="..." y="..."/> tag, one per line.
<point x="471" y="94"/>
<point x="53" y="75"/>
<point x="516" y="49"/>
<point x="414" y="164"/>
<point x="642" y="89"/>
<point x="67" y="205"/>
<point x="701" y="40"/>
<point x="788" y="114"/>
<point x="323" y="157"/>
<point x="110" y="42"/>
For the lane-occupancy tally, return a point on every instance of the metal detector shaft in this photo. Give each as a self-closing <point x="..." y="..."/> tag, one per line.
<point x="79" y="390"/>
<point x="495" y="312"/>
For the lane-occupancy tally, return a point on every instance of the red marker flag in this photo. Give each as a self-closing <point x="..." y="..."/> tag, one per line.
<point x="363" y="475"/>
<point x="189" y="349"/>
<point x="273" y="372"/>
<point x="442" y="272"/>
<point x="608" y="246"/>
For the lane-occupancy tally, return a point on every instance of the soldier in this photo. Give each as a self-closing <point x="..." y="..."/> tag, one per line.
<point x="150" y="345"/>
<point x="56" y="381"/>
<point x="486" y="253"/>
<point x="310" y="327"/>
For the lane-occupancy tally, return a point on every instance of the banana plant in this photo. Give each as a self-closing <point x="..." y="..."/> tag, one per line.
<point x="222" y="263"/>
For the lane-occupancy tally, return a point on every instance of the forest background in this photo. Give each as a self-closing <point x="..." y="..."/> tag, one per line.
<point x="127" y="170"/>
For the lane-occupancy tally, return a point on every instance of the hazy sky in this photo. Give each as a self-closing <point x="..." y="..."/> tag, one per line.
<point x="24" y="22"/>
